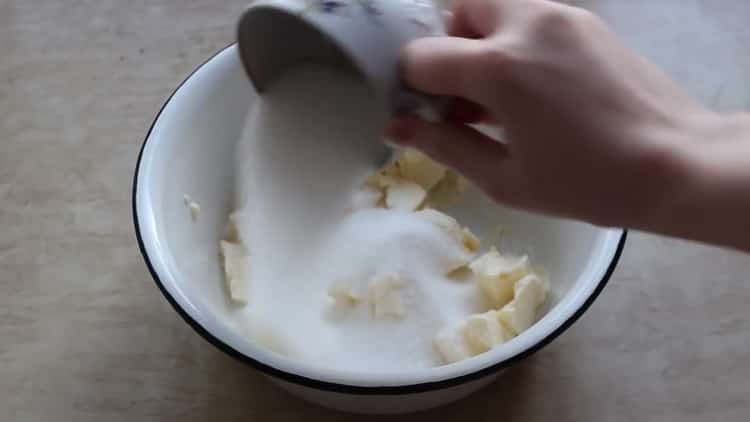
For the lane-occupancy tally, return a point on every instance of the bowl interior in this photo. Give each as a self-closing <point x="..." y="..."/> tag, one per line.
<point x="190" y="150"/>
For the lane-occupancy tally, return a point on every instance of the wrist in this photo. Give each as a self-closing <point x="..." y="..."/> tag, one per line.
<point x="708" y="195"/>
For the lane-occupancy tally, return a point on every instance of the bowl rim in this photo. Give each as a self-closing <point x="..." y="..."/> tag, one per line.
<point x="327" y="385"/>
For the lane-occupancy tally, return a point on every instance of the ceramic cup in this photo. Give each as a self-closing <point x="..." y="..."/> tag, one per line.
<point x="366" y="36"/>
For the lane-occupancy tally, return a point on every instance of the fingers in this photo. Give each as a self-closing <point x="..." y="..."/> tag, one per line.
<point x="443" y="65"/>
<point x="461" y="65"/>
<point x="478" y="157"/>
<point x="466" y="112"/>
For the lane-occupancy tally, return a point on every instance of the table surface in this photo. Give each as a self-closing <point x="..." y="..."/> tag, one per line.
<point x="85" y="335"/>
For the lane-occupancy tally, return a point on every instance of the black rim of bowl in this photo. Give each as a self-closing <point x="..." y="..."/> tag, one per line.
<point x="330" y="386"/>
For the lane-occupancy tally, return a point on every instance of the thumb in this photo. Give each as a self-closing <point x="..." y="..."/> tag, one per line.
<point x="480" y="158"/>
<point x="445" y="66"/>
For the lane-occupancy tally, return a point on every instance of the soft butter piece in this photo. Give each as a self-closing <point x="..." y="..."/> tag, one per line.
<point x="442" y="220"/>
<point x="231" y="230"/>
<point x="192" y="206"/>
<point x="450" y="225"/>
<point x="497" y="274"/>
<point x="234" y="271"/>
<point x="384" y="293"/>
<point x="448" y="190"/>
<point x="413" y="166"/>
<point x="471" y="336"/>
<point x="343" y="294"/>
<point x="419" y="168"/>
<point x="484" y="331"/>
<point x="529" y="294"/>
<point x="451" y="344"/>
<point x="404" y="195"/>
<point x="406" y="180"/>
<point x="470" y="241"/>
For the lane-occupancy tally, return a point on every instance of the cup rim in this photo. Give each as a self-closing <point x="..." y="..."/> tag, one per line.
<point x="311" y="24"/>
<point x="328" y="385"/>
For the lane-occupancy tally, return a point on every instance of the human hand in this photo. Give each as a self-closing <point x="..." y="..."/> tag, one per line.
<point x="591" y="130"/>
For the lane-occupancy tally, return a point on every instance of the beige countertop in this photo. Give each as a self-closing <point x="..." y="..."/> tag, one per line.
<point x="85" y="335"/>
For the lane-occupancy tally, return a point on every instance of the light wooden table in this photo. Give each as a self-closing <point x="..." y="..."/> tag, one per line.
<point x="85" y="335"/>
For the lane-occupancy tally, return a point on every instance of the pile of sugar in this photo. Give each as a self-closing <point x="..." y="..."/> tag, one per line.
<point x="306" y="151"/>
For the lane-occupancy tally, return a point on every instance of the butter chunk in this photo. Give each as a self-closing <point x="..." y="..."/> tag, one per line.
<point x="413" y="166"/>
<point x="442" y="220"/>
<point x="497" y="274"/>
<point x="234" y="271"/>
<point x="382" y="178"/>
<point x="471" y="336"/>
<point x="448" y="190"/>
<point x="484" y="331"/>
<point x="451" y="344"/>
<point x="419" y="168"/>
<point x="470" y="241"/>
<point x="450" y="225"/>
<point x="529" y="294"/>
<point x="231" y="230"/>
<point x="385" y="297"/>
<point x="406" y="180"/>
<point x="404" y="195"/>
<point x="192" y="206"/>
<point x="343" y="294"/>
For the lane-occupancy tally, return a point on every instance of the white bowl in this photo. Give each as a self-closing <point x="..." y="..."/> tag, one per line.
<point x="189" y="150"/>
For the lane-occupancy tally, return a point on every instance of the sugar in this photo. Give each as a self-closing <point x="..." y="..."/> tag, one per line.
<point x="305" y="152"/>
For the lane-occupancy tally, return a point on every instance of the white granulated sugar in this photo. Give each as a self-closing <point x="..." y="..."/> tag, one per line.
<point x="305" y="153"/>
<point x="335" y="279"/>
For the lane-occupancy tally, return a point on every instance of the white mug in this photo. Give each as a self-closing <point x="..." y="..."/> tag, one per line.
<point x="366" y="36"/>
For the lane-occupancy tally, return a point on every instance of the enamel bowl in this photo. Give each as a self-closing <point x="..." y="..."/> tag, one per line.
<point x="189" y="150"/>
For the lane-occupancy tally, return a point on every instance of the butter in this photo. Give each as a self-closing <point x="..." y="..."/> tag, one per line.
<point x="497" y="274"/>
<point x="385" y="297"/>
<point x="529" y="294"/>
<point x="234" y="257"/>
